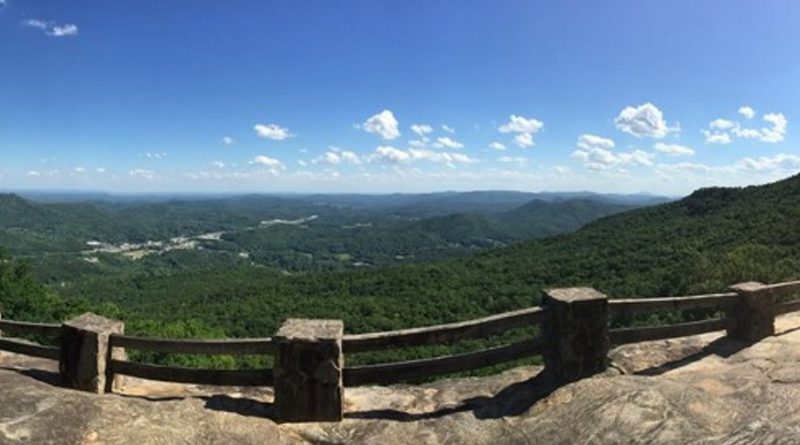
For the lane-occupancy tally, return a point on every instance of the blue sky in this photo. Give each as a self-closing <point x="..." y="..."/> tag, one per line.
<point x="411" y="96"/>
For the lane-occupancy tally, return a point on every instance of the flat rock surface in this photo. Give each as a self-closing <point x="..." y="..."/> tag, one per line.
<point x="694" y="390"/>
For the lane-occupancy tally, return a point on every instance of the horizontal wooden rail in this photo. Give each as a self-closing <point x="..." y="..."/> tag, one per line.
<point x="234" y="346"/>
<point x="22" y="347"/>
<point x="28" y="328"/>
<point x="781" y="288"/>
<point x="221" y="377"/>
<point x="785" y="308"/>
<point x="443" y="333"/>
<point x="639" y="305"/>
<point x="634" y="335"/>
<point x="387" y="373"/>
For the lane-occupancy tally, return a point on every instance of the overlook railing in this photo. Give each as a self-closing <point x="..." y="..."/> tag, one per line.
<point x="309" y="373"/>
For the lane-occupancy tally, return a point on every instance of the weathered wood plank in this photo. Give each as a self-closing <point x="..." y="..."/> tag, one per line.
<point x="634" y="335"/>
<point x="29" y="328"/>
<point x="781" y="288"/>
<point x="639" y="305"/>
<point x="443" y="333"/>
<point x="220" y="377"/>
<point x="234" y="346"/>
<point x="25" y="348"/>
<point x="387" y="373"/>
<point x="785" y="308"/>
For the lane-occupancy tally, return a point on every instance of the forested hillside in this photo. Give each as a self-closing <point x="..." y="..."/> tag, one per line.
<point x="711" y="239"/>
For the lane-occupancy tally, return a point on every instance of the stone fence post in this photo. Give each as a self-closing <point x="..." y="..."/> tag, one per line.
<point x="575" y="332"/>
<point x="308" y="370"/>
<point x="85" y="352"/>
<point x="752" y="318"/>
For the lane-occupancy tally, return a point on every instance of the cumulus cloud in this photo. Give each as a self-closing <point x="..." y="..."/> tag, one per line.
<point x="673" y="149"/>
<point x="520" y="124"/>
<point x="497" y="146"/>
<point x="53" y="29"/>
<point x="270" y="163"/>
<point x="141" y="173"/>
<point x="524" y="127"/>
<point x="336" y="157"/>
<point x="590" y="141"/>
<point x="747" y="112"/>
<point x="448" y="129"/>
<point x="595" y="152"/>
<point x="723" y="131"/>
<point x="395" y="155"/>
<point x="421" y="129"/>
<point x="524" y="140"/>
<point x="383" y="124"/>
<point x="781" y="161"/>
<point x="645" y="120"/>
<point x="272" y="131"/>
<point x="227" y="140"/>
<point x="446" y="142"/>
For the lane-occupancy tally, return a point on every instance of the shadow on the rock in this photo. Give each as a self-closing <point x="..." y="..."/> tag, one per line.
<point x="48" y="377"/>
<point x="513" y="400"/>
<point x="241" y="406"/>
<point x="721" y="347"/>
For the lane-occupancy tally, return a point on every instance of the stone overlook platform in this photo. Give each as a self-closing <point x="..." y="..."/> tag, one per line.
<point x="703" y="389"/>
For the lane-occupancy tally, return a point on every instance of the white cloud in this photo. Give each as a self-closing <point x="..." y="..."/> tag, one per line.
<point x="383" y="124"/>
<point x="391" y="154"/>
<point x="35" y="23"/>
<point x="781" y="161"/>
<point x="52" y="29"/>
<point x="394" y="155"/>
<point x="722" y="131"/>
<point x="272" y="131"/>
<point x="747" y="112"/>
<point x="590" y="141"/>
<point x="524" y="140"/>
<point x="336" y="157"/>
<point x="272" y="164"/>
<point x="520" y="124"/>
<point x="722" y="124"/>
<point x="446" y="142"/>
<point x="673" y="149"/>
<point x="218" y="164"/>
<point x="778" y="129"/>
<point x="227" y="140"/>
<point x="524" y="127"/>
<point x="497" y="146"/>
<point x="100" y="170"/>
<point x="519" y="160"/>
<point x="645" y="120"/>
<point x="448" y="129"/>
<point x="717" y="138"/>
<point x="80" y="169"/>
<point x="33" y="173"/>
<point x="65" y="30"/>
<point x="595" y="152"/>
<point x="141" y="173"/>
<point x="421" y="129"/>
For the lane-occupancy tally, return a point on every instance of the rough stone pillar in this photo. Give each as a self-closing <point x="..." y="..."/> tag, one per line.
<point x="753" y="316"/>
<point x="308" y="371"/>
<point x="85" y="352"/>
<point x="576" y="333"/>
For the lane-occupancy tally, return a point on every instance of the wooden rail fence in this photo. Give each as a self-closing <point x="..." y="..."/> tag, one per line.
<point x="574" y="341"/>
